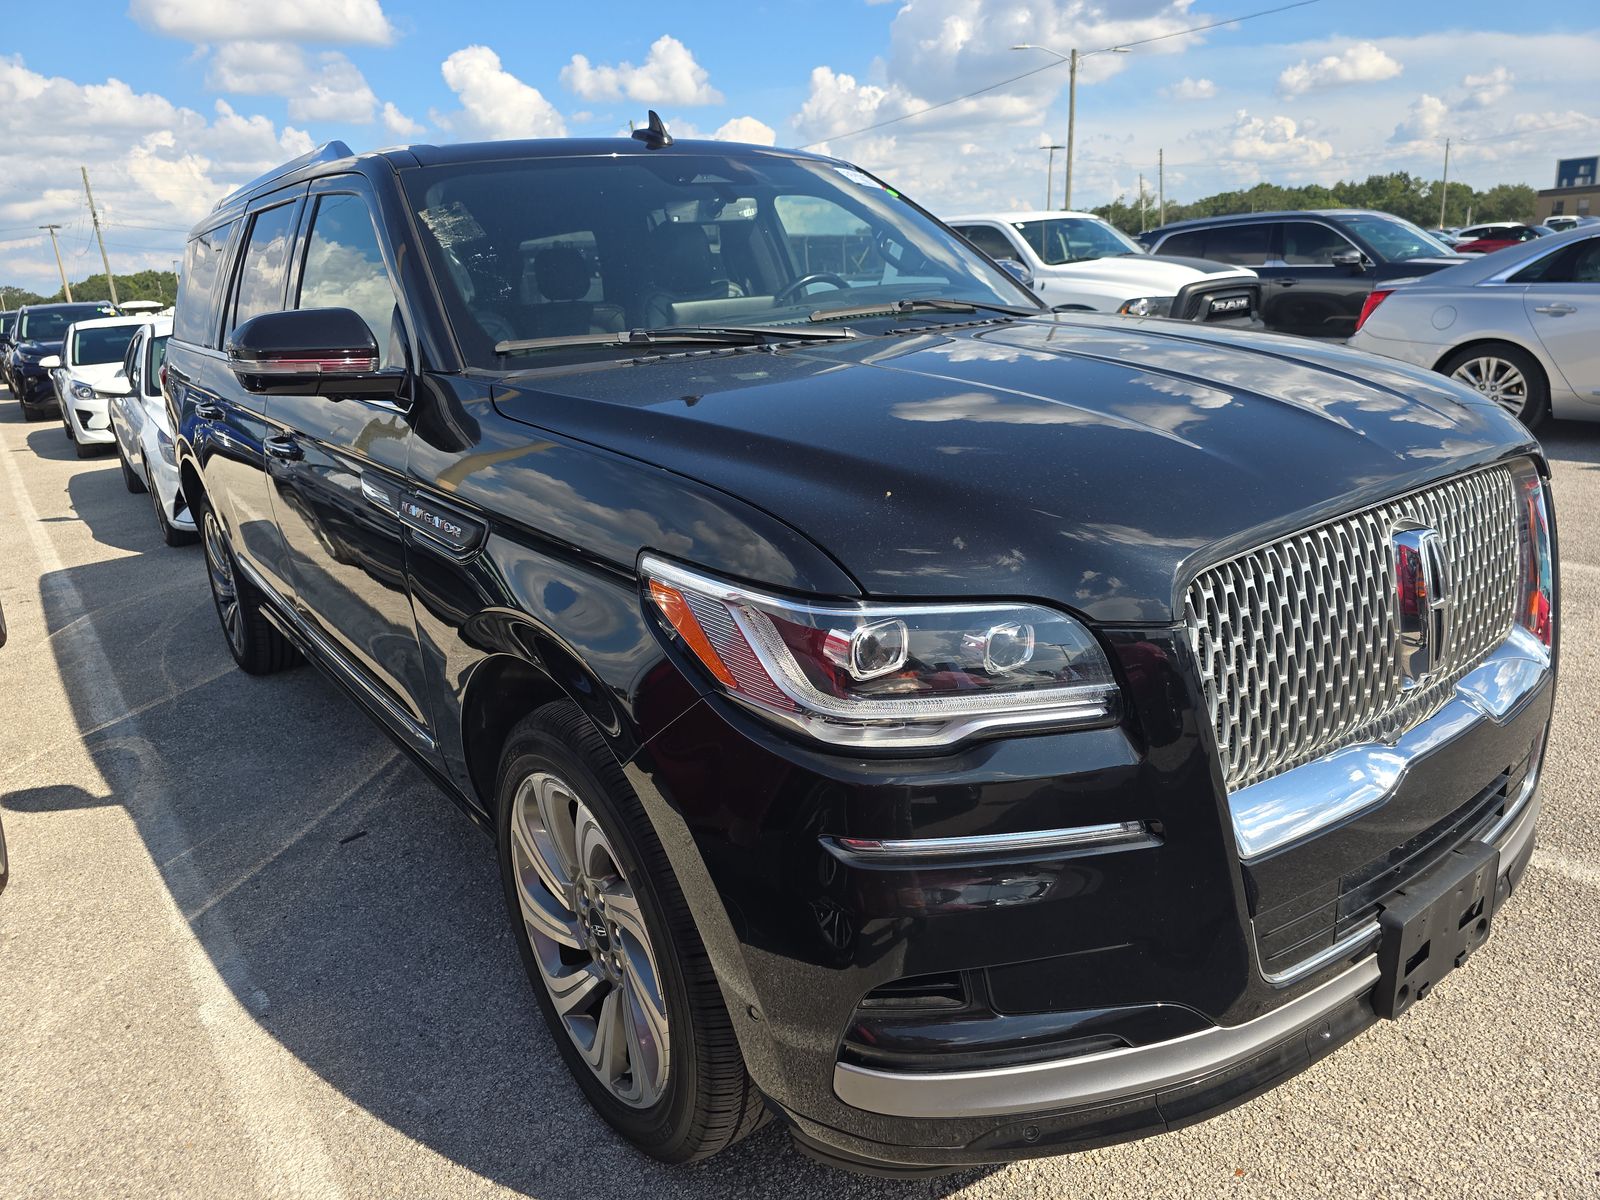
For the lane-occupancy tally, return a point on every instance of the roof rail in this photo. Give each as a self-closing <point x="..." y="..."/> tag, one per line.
<point x="327" y="152"/>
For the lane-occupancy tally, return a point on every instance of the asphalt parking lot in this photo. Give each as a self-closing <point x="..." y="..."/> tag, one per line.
<point x="247" y="950"/>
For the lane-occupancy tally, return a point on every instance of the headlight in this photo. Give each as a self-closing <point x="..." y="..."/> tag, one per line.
<point x="1536" y="611"/>
<point x="1147" y="306"/>
<point x="82" y="391"/>
<point x="169" y="452"/>
<point x="887" y="676"/>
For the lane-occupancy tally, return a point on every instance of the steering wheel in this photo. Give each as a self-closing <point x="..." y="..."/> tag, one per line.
<point x="797" y="289"/>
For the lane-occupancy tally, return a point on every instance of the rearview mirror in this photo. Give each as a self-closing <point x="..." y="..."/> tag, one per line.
<point x="50" y="361"/>
<point x="1353" y="259"/>
<point x="1018" y="271"/>
<point x="328" y="351"/>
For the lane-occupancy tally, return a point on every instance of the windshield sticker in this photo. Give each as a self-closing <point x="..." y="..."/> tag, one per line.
<point x="862" y="179"/>
<point x="452" y="224"/>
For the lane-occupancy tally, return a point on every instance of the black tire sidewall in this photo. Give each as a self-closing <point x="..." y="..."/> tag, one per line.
<point x="1537" y="407"/>
<point x="536" y="745"/>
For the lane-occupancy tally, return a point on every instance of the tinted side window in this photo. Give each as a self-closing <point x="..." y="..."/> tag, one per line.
<point x="1185" y="245"/>
<point x="131" y="363"/>
<point x="195" y="319"/>
<point x="266" y="264"/>
<point x="158" y="355"/>
<point x="1308" y="243"/>
<point x="1242" y="245"/>
<point x="1577" y="263"/>
<point x="988" y="239"/>
<point x="344" y="269"/>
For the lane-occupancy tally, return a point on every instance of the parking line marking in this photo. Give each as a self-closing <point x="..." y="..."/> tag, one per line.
<point x="265" y="1090"/>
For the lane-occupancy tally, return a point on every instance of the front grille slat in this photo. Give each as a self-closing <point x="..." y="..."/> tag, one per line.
<point x="1296" y="641"/>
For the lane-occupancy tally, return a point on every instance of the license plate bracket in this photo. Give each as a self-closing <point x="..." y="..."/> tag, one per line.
<point x="1432" y="925"/>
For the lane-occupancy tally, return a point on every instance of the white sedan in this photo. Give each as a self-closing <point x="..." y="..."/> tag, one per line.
<point x="144" y="434"/>
<point x="88" y="373"/>
<point x="1521" y="325"/>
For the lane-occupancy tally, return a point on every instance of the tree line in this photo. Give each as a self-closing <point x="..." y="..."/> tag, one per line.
<point x="141" y="285"/>
<point x="1401" y="193"/>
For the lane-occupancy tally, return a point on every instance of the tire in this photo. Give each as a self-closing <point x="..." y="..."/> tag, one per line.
<point x="171" y="535"/>
<point x="132" y="482"/>
<point x="85" y="449"/>
<point x="29" y="413"/>
<point x="559" y="789"/>
<point x="1506" y="374"/>
<point x="254" y="642"/>
<point x="66" y="428"/>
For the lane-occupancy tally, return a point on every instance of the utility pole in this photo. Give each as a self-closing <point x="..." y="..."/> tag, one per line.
<point x="105" y="262"/>
<point x="56" y="246"/>
<point x="1071" y="60"/>
<point x="1161" y="185"/>
<point x="1444" y="191"/>
<point x="1141" y="201"/>
<point x="1050" y="175"/>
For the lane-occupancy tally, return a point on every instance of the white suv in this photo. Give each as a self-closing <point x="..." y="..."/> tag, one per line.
<point x="1077" y="260"/>
<point x="88" y="374"/>
<point x="144" y="434"/>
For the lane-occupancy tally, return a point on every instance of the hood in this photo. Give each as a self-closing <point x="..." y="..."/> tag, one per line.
<point x="100" y="376"/>
<point x="1094" y="462"/>
<point x="33" y="349"/>
<point x="1143" y="274"/>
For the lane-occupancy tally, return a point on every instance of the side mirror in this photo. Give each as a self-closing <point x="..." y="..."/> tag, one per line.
<point x="328" y="351"/>
<point x="1354" y="259"/>
<point x="50" y="361"/>
<point x="1018" y="271"/>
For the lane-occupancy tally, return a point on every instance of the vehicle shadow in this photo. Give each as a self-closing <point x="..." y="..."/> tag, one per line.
<point x="351" y="909"/>
<point x="1572" y="441"/>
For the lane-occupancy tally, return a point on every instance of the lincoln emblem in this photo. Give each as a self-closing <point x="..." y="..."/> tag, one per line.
<point x="1422" y="586"/>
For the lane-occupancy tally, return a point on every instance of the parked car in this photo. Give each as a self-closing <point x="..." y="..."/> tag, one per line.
<point x="874" y="686"/>
<point x="39" y="330"/>
<point x="1497" y="235"/>
<point x="146" y="451"/>
<point x="88" y="375"/>
<point x="1316" y="267"/>
<point x="1445" y="237"/>
<point x="1078" y="261"/>
<point x="1521" y="326"/>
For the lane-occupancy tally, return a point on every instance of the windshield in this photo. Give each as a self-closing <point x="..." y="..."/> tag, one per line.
<point x="1075" y="239"/>
<point x="102" y="344"/>
<point x="50" y="324"/>
<point x="1396" y="240"/>
<point x="568" y="247"/>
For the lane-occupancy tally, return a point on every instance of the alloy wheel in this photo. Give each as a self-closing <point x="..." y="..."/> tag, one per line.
<point x="589" y="940"/>
<point x="224" y="589"/>
<point x="1496" y="378"/>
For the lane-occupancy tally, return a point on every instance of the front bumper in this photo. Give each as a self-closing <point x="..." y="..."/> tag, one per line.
<point x="32" y="386"/>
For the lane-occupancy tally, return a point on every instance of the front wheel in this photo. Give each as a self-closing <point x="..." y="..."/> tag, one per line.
<point x="130" y="480"/>
<point x="256" y="645"/>
<point x="171" y="535"/>
<point x="608" y="941"/>
<point x="1506" y="374"/>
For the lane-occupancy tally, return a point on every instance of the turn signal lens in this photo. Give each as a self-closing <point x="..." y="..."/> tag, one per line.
<point x="887" y="675"/>
<point x="1536" y="612"/>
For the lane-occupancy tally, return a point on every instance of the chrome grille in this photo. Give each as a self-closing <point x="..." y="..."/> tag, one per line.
<point x="1296" y="640"/>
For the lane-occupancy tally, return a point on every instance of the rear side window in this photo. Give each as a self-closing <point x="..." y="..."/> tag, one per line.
<point x="1577" y="263"/>
<point x="988" y="239"/>
<point x="1242" y="245"/>
<point x="1185" y="245"/>
<point x="264" y="274"/>
<point x="195" y="319"/>
<point x="344" y="269"/>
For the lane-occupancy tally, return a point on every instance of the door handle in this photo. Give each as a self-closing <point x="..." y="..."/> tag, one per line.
<point x="209" y="410"/>
<point x="285" y="448"/>
<point x="1555" y="310"/>
<point x="1286" y="282"/>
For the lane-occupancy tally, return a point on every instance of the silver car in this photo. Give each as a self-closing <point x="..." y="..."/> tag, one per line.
<point x="1521" y="325"/>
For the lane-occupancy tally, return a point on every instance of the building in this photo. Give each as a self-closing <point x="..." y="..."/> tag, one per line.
<point x="1577" y="190"/>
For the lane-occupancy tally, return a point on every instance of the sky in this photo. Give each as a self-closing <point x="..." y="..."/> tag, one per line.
<point x="171" y="103"/>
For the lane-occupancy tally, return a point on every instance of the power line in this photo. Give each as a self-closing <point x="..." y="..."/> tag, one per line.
<point x="1266" y="12"/>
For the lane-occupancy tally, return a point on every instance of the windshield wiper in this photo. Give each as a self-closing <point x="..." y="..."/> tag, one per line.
<point x="898" y="308"/>
<point x="679" y="335"/>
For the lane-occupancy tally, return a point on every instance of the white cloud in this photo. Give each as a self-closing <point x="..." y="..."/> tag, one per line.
<point x="1361" y="63"/>
<point x="337" y="92"/>
<point x="747" y="129"/>
<point x="1273" y="139"/>
<point x="494" y="102"/>
<point x="400" y="125"/>
<point x="257" y="68"/>
<point x="668" y="75"/>
<point x="1190" y="89"/>
<point x="1424" y="121"/>
<point x="1488" y="89"/>
<point x="360" y="22"/>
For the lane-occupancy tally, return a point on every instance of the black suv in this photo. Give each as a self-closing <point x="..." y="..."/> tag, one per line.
<point x="1317" y="268"/>
<point x="36" y="342"/>
<point x="962" y="731"/>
